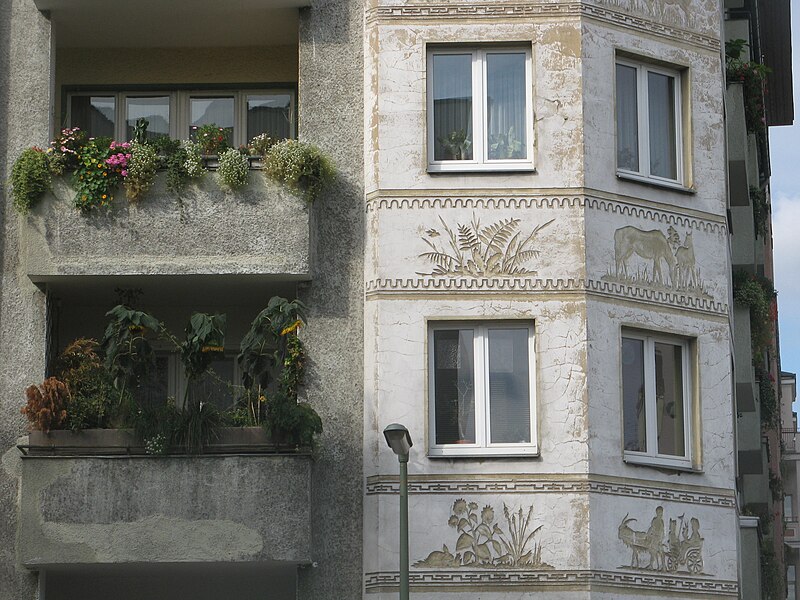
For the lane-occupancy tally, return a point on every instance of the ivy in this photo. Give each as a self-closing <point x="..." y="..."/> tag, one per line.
<point x="30" y="178"/>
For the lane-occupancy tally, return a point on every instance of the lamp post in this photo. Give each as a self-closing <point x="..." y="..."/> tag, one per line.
<point x="399" y="441"/>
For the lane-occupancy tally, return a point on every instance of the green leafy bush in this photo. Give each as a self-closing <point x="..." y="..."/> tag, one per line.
<point x="30" y="178"/>
<point x="141" y="171"/>
<point x="233" y="168"/>
<point x="100" y="169"/>
<point x="758" y="198"/>
<point x="91" y="391"/>
<point x="301" y="166"/>
<point x="757" y="293"/>
<point x="752" y="75"/>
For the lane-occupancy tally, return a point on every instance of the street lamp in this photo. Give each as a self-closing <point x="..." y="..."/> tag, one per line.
<point x="399" y="441"/>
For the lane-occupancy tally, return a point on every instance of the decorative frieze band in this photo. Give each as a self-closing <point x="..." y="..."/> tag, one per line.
<point x="658" y="296"/>
<point x="660" y="216"/>
<point x="514" y="10"/>
<point x="526" y="202"/>
<point x="520" y="484"/>
<point x="464" y="580"/>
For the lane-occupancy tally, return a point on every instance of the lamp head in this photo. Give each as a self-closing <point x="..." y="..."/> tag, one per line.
<point x="398" y="438"/>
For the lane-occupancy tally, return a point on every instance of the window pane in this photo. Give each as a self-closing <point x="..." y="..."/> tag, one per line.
<point x="155" y="109"/>
<point x="153" y="389"/>
<point x="633" y="406"/>
<point x="452" y="106"/>
<point x="96" y="115"/>
<point x="207" y="111"/>
<point x="505" y="105"/>
<point x="669" y="399"/>
<point x="454" y="386"/>
<point x="217" y="387"/>
<point x="627" y="119"/>
<point x="270" y="114"/>
<point x="661" y="107"/>
<point x="509" y="392"/>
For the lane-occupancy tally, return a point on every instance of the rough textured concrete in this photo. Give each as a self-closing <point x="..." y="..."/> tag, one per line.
<point x="262" y="229"/>
<point x="95" y="510"/>
<point x="331" y="74"/>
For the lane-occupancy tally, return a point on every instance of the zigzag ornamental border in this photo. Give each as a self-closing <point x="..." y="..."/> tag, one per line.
<point x="527" y="10"/>
<point x="527" y="202"/>
<point x="378" y="485"/>
<point x="483" y="284"/>
<point x="654" y="214"/>
<point x="660" y="297"/>
<point x="496" y="580"/>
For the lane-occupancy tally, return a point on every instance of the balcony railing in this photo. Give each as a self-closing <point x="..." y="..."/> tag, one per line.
<point x="791" y="441"/>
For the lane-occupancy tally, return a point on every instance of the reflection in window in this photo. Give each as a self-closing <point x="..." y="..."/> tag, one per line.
<point x="270" y="114"/>
<point x="212" y="110"/>
<point x="96" y="115"/>
<point x="154" y="109"/>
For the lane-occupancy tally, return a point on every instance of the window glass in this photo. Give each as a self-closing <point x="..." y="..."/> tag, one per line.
<point x="212" y="110"/>
<point x="509" y="393"/>
<point x="216" y="386"/>
<point x="663" y="135"/>
<point x="270" y="114"/>
<point x="96" y="115"/>
<point x="454" y="385"/>
<point x="627" y="119"/>
<point x="505" y="105"/>
<point x="452" y="106"/>
<point x="153" y="108"/>
<point x="669" y="399"/>
<point x="633" y="394"/>
<point x="154" y="390"/>
<point x="788" y="507"/>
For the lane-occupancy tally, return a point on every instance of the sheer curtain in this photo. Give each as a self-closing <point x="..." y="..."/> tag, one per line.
<point x="661" y="110"/>
<point x="627" y="119"/>
<point x="452" y="107"/>
<point x="509" y="386"/>
<point x="505" y="99"/>
<point x="669" y="400"/>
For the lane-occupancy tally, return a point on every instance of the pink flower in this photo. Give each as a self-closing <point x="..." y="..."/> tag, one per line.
<point x="124" y="173"/>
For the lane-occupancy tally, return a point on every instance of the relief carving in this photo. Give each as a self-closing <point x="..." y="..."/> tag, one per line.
<point x="679" y="550"/>
<point x="481" y="251"/>
<point x="482" y="543"/>
<point x="670" y="12"/>
<point x="653" y="259"/>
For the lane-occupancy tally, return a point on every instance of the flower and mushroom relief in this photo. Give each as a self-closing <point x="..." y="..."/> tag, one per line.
<point x="483" y="543"/>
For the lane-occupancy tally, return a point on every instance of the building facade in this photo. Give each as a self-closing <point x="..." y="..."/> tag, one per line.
<point x="525" y="257"/>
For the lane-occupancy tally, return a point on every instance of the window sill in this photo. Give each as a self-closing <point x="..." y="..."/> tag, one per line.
<point x="657" y="462"/>
<point x="477" y="452"/>
<point x="491" y="168"/>
<point x="657" y="183"/>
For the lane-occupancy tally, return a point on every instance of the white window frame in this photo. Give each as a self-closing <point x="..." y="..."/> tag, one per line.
<point x="480" y="160"/>
<point x="643" y="124"/>
<point x="651" y="456"/>
<point x="482" y="446"/>
<point x="179" y="108"/>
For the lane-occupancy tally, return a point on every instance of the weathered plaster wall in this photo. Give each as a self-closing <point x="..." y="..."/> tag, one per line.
<point x="331" y="115"/>
<point x="24" y="112"/>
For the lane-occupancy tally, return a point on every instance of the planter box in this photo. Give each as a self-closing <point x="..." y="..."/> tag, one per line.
<point x="105" y="442"/>
<point x="262" y="229"/>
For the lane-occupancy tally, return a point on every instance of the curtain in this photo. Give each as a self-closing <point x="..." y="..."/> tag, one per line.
<point x="661" y="109"/>
<point x="505" y="100"/>
<point x="669" y="400"/>
<point x="94" y="114"/>
<point x="509" y="389"/>
<point x="627" y="119"/>
<point x="452" y="107"/>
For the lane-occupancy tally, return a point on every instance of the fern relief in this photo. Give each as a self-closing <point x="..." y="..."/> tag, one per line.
<point x="474" y="250"/>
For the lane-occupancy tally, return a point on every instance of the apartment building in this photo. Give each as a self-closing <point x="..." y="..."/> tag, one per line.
<point x="524" y="257"/>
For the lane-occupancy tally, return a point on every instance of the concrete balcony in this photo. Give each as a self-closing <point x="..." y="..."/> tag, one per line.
<point x="126" y="510"/>
<point x="791" y="534"/>
<point x="790" y="440"/>
<point x="261" y="230"/>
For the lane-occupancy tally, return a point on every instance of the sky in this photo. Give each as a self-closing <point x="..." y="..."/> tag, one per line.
<point x="785" y="192"/>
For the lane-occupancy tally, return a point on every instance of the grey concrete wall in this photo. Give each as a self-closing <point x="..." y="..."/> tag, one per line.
<point x="24" y="120"/>
<point x="172" y="509"/>
<point x="331" y="115"/>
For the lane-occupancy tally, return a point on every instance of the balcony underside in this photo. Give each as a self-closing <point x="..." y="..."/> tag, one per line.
<point x="165" y="510"/>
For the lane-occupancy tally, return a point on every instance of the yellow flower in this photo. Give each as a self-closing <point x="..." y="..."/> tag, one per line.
<point x="99" y="165"/>
<point x="105" y="174"/>
<point x="293" y="327"/>
<point x="104" y="196"/>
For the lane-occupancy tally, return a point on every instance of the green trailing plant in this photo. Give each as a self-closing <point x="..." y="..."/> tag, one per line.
<point x="183" y="161"/>
<point x="233" y="168"/>
<point x="291" y="422"/>
<point x="194" y="165"/>
<point x="752" y="75"/>
<point x="758" y="294"/>
<point x="30" y="178"/>
<point x="772" y="578"/>
<point x="768" y="400"/>
<point x="212" y="139"/>
<point x="89" y="384"/>
<point x="758" y="198"/>
<point x="128" y="353"/>
<point x="141" y="170"/>
<point x="775" y="486"/>
<point x="46" y="407"/>
<point x="300" y="166"/>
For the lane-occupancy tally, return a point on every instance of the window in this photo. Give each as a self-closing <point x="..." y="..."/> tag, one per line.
<point x="482" y="389"/>
<point x="649" y="144"/>
<point x="657" y="400"/>
<point x="242" y="114"/>
<point x="479" y="109"/>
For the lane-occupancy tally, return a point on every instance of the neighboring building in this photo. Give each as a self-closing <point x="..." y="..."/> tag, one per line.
<point x="525" y="258"/>
<point x="790" y="452"/>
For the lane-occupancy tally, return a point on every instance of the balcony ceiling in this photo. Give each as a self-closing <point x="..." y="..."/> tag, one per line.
<point x="173" y="24"/>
